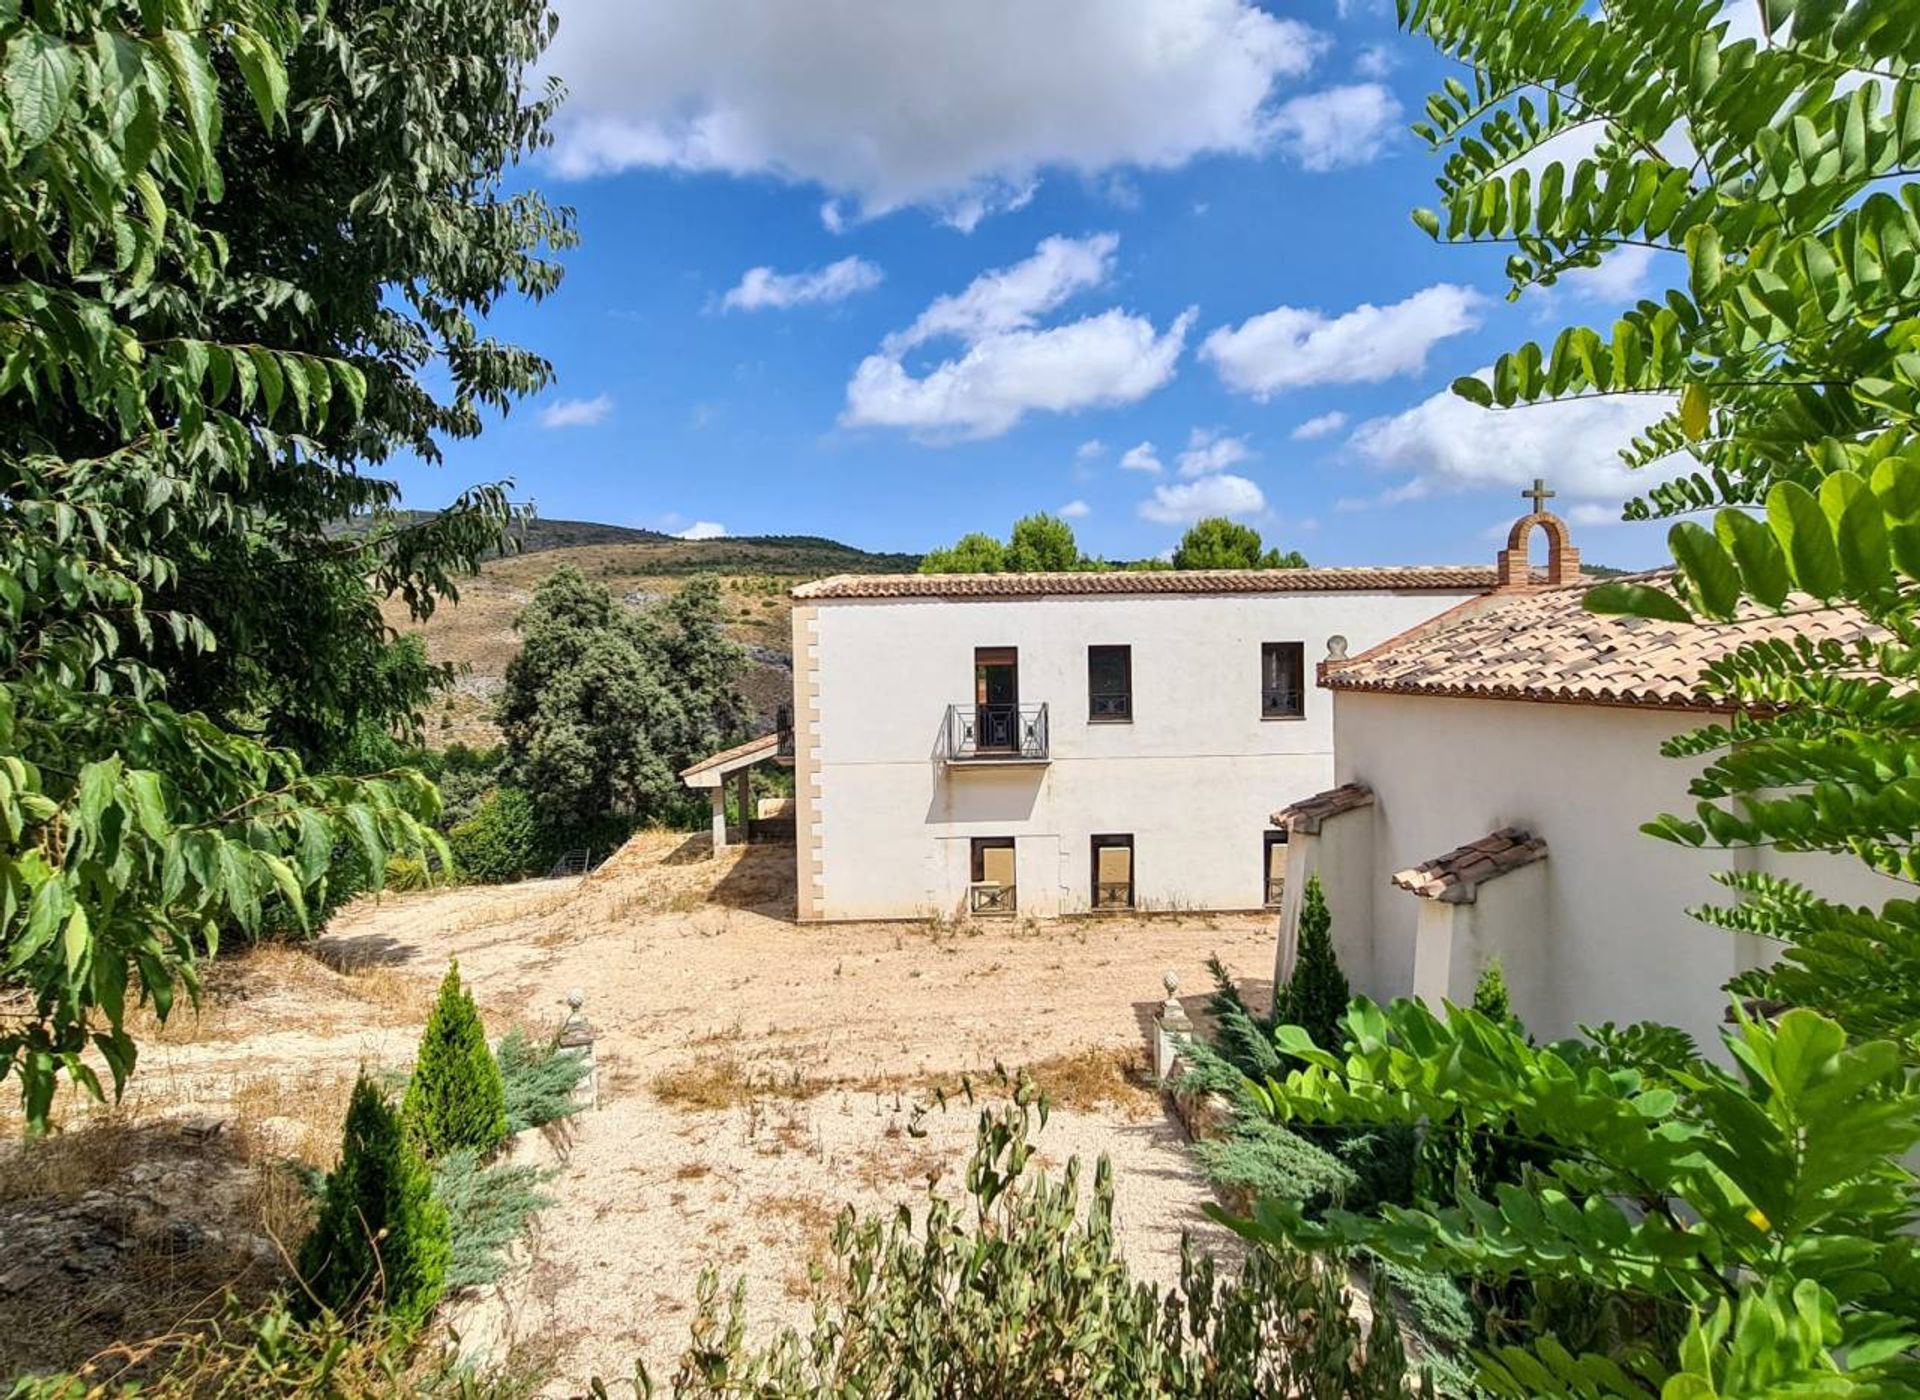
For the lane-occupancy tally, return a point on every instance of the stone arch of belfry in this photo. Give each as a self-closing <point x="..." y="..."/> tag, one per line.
<point x="1563" y="558"/>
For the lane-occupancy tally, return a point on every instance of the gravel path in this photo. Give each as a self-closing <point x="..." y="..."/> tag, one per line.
<point x="756" y="1075"/>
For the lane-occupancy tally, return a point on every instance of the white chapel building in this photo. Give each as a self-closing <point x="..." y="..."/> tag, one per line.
<point x="971" y="745"/>
<point x="1492" y="768"/>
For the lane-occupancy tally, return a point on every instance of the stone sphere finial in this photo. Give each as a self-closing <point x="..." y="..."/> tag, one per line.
<point x="1171" y="982"/>
<point x="576" y="999"/>
<point x="1336" y="647"/>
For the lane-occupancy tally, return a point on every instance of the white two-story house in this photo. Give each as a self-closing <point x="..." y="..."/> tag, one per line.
<point x="1052" y="743"/>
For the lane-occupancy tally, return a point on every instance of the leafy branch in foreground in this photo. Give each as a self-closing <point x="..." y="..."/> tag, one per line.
<point x="189" y="393"/>
<point x="1707" y="1186"/>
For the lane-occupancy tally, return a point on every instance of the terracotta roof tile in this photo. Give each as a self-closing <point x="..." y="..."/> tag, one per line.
<point x="1306" y="815"/>
<point x="1455" y="878"/>
<point x="769" y="743"/>
<point x="1544" y="645"/>
<point x="1415" y="578"/>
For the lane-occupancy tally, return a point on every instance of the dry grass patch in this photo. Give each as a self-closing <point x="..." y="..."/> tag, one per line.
<point x="292" y="1116"/>
<point x="727" y="1081"/>
<point x="804" y="1234"/>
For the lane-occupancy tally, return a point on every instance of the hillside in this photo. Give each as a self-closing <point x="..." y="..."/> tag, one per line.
<point x="639" y="567"/>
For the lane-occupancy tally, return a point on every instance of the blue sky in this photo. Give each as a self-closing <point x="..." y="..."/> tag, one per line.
<point x="1142" y="261"/>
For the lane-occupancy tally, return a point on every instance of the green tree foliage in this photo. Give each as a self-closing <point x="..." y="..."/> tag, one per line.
<point x="488" y="1208"/>
<point x="603" y="706"/>
<point x="502" y="840"/>
<point x="195" y="368"/>
<point x="381" y="1241"/>
<point x="1040" y="544"/>
<point x="1043" y="544"/>
<point x="455" y="1098"/>
<point x="1772" y="1200"/>
<point x="1316" y="994"/>
<point x="1219" y="543"/>
<point x="973" y="554"/>
<point x="1031" y="1297"/>
<point x="1490" y="997"/>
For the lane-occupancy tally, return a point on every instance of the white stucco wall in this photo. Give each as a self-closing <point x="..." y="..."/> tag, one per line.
<point x="1193" y="778"/>
<point x="1600" y="932"/>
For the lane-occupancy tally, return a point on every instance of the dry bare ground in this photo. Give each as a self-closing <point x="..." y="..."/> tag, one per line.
<point x="755" y="1075"/>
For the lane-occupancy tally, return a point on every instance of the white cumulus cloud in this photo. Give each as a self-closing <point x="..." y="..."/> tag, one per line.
<point x="1340" y="127"/>
<point x="576" y="413"/>
<point x="1009" y="364"/>
<point x="1375" y="61"/>
<point x="1188" y="501"/>
<point x="1319" y="426"/>
<point x="1142" y="458"/>
<point x="957" y="105"/>
<point x="703" y="530"/>
<point x="1445" y="443"/>
<point x="1289" y="347"/>
<point x="1209" y="452"/>
<point x="1090" y="451"/>
<point x="1074" y="510"/>
<point x="762" y="288"/>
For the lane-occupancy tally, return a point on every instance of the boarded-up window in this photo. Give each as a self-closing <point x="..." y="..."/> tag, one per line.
<point x="1283" y="680"/>
<point x="1113" y="872"/>
<point x="993" y="890"/>
<point x="1110" y="684"/>
<point x="1275" y="862"/>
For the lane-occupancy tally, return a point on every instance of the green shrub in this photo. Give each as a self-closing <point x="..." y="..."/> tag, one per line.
<point x="1316" y="996"/>
<point x="408" y="873"/>
<point x="500" y="841"/>
<point x="1030" y="1297"/>
<point x="538" y="1078"/>
<point x="455" y="1098"/>
<point x="381" y="1242"/>
<point x="487" y="1210"/>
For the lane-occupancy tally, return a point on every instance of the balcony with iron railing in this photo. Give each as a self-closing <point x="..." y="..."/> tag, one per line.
<point x="989" y="734"/>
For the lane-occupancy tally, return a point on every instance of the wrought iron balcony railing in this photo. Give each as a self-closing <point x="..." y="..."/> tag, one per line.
<point x="1282" y="702"/>
<point x="1113" y="894"/>
<point x="1276" y="891"/>
<point x="997" y="734"/>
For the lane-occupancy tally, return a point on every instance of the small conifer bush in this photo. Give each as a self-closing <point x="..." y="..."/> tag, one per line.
<point x="382" y="1241"/>
<point x="1316" y="996"/>
<point x="455" y="1098"/>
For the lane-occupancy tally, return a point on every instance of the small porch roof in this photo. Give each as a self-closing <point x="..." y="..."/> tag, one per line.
<point x="1306" y="815"/>
<point x="712" y="771"/>
<point x="1456" y="877"/>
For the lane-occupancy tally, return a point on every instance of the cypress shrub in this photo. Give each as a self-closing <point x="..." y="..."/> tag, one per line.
<point x="1316" y="995"/>
<point x="501" y="841"/>
<point x="455" y="1097"/>
<point x="382" y="1240"/>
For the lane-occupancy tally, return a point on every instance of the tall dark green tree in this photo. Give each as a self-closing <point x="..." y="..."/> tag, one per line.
<point x="603" y="706"/>
<point x="455" y="1099"/>
<point x="1315" y="997"/>
<point x="381" y="1241"/>
<point x="1219" y="543"/>
<point x="236" y="233"/>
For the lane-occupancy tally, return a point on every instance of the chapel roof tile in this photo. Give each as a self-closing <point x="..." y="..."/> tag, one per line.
<point x="1456" y="877"/>
<point x="1544" y="645"/>
<point x="1411" y="578"/>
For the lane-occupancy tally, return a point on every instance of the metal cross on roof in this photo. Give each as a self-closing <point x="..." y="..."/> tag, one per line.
<point x="1539" y="495"/>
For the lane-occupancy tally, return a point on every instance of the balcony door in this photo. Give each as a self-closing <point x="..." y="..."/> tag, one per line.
<point x="996" y="699"/>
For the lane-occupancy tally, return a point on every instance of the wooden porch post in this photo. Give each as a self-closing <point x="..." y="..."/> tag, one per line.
<point x="719" y="795"/>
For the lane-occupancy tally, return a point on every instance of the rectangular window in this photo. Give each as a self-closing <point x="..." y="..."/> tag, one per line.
<point x="1283" y="680"/>
<point x="1273" y="862"/>
<point x="993" y="889"/>
<point x="1113" y="872"/>
<point x="1110" y="684"/>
